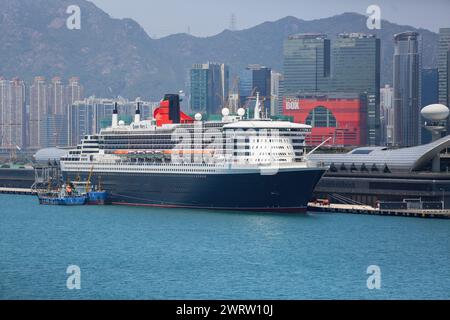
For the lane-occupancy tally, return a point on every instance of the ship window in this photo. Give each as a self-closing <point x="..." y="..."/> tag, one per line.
<point x="321" y="117"/>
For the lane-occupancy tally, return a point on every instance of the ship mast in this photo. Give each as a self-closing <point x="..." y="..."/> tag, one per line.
<point x="115" y="116"/>
<point x="257" y="115"/>
<point x="137" y="116"/>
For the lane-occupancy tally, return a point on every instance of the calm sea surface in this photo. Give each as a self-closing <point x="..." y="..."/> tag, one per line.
<point x="142" y="253"/>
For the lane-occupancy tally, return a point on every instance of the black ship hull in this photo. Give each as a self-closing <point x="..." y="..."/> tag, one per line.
<point x="286" y="191"/>
<point x="16" y="178"/>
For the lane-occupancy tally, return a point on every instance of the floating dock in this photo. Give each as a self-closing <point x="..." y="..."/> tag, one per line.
<point x="23" y="191"/>
<point x="368" y="210"/>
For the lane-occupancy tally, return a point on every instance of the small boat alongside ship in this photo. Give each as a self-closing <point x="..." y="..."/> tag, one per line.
<point x="65" y="196"/>
<point x="69" y="196"/>
<point x="74" y="193"/>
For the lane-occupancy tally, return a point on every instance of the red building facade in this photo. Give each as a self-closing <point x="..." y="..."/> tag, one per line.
<point x="342" y="119"/>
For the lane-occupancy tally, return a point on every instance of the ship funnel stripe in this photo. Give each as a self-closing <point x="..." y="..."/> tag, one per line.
<point x="138" y="107"/>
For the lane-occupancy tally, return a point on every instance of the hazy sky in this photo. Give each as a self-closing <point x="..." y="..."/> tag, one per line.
<point x="208" y="17"/>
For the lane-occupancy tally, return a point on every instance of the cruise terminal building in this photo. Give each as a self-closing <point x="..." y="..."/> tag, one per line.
<point x="370" y="175"/>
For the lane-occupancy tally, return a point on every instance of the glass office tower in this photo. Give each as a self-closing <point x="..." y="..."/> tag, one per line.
<point x="443" y="68"/>
<point x="306" y="64"/>
<point x="209" y="87"/>
<point x="356" y="68"/>
<point x="256" y="78"/>
<point x="407" y="89"/>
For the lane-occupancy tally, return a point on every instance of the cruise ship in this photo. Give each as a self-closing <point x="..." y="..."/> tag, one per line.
<point x="174" y="160"/>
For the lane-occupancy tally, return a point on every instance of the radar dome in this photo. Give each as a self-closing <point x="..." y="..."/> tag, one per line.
<point x="121" y="123"/>
<point x="241" y="112"/>
<point x="225" y="112"/>
<point x="198" y="116"/>
<point x="435" y="112"/>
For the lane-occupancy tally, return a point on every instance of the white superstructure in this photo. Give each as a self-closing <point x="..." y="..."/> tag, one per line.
<point x="233" y="144"/>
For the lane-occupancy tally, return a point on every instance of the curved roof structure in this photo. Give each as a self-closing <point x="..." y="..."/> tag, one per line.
<point x="49" y="154"/>
<point x="403" y="159"/>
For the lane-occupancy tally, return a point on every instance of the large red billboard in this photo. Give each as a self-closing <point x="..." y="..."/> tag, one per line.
<point x="342" y="119"/>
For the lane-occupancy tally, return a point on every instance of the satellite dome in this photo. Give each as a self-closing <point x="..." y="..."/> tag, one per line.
<point x="435" y="112"/>
<point x="198" y="116"/>
<point x="241" y="112"/>
<point x="225" y="112"/>
<point x="121" y="123"/>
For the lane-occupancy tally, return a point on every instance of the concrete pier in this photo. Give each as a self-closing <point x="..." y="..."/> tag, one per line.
<point x="22" y="191"/>
<point x="359" y="209"/>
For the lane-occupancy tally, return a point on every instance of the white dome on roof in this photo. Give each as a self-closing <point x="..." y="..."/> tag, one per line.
<point x="49" y="154"/>
<point x="435" y="112"/>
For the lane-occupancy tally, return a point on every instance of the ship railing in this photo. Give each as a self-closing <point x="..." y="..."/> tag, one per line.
<point x="219" y="165"/>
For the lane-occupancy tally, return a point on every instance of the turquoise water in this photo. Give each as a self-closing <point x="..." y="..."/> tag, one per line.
<point x="131" y="253"/>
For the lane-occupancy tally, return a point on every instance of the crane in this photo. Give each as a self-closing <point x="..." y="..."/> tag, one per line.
<point x="88" y="182"/>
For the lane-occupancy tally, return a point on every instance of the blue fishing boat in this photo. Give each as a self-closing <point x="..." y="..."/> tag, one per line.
<point x="65" y="196"/>
<point x="62" y="201"/>
<point x="74" y="193"/>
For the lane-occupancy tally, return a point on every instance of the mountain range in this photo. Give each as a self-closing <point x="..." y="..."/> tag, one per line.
<point x="117" y="57"/>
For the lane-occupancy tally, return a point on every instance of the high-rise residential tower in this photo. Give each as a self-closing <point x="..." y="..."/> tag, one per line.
<point x="12" y="114"/>
<point x="407" y="88"/>
<point x="89" y="115"/>
<point x="38" y="113"/>
<point x="74" y="91"/>
<point x="56" y="97"/>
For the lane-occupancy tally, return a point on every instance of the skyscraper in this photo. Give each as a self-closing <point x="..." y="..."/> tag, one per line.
<point x="429" y="95"/>
<point x="256" y="78"/>
<point x="444" y="68"/>
<point x="356" y="69"/>
<point x="209" y="87"/>
<point x="276" y="78"/>
<point x="38" y="113"/>
<point x="54" y="128"/>
<point x="224" y="84"/>
<point x="306" y="65"/>
<point x="56" y="97"/>
<point x="245" y="85"/>
<point x="407" y="79"/>
<point x="12" y="114"/>
<point x="74" y="91"/>
<point x="85" y="117"/>
<point x="387" y="119"/>
<point x="349" y="65"/>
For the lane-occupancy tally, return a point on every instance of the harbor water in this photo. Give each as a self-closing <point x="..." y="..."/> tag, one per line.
<point x="144" y="253"/>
